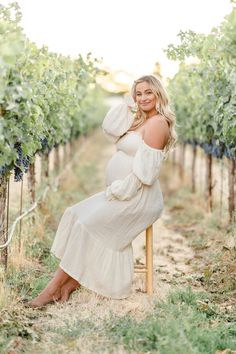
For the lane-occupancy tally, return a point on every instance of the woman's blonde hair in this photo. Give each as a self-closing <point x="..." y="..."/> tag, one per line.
<point x="162" y="107"/>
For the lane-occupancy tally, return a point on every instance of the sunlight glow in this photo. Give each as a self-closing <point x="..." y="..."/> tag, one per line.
<point x="129" y="35"/>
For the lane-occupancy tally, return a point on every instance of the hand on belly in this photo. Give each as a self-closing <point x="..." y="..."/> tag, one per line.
<point x="118" y="167"/>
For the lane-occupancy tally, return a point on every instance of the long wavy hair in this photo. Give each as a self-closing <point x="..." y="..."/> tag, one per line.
<point x="162" y="108"/>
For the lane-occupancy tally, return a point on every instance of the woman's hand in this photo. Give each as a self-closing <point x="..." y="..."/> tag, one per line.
<point x="109" y="195"/>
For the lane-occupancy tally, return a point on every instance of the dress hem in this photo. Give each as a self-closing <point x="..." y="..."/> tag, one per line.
<point x="84" y="283"/>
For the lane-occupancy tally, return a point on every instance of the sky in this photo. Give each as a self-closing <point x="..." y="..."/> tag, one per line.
<point x="129" y="35"/>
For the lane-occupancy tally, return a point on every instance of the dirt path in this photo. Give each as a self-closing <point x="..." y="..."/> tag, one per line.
<point x="171" y="266"/>
<point x="186" y="242"/>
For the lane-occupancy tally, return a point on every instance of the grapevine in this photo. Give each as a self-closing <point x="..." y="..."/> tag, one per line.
<point x="45" y="98"/>
<point x="203" y="92"/>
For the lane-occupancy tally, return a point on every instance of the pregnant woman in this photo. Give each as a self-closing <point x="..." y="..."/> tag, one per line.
<point x="94" y="237"/>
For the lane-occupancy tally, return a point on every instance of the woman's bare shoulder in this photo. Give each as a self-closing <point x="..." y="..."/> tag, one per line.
<point x="158" y="118"/>
<point x="158" y="122"/>
<point x="156" y="132"/>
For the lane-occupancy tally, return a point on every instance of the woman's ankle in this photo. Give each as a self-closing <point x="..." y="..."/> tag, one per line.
<point x="68" y="288"/>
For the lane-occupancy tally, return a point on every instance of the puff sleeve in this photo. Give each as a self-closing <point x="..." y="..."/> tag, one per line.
<point x="145" y="170"/>
<point x="117" y="121"/>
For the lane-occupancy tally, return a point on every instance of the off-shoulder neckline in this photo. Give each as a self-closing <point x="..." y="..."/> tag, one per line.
<point x="150" y="147"/>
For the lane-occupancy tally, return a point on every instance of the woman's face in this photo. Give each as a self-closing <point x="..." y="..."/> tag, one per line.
<point x="145" y="98"/>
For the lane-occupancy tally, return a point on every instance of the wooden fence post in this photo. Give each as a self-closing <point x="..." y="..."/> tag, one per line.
<point x="4" y="207"/>
<point x="209" y="185"/>
<point x="231" y="197"/>
<point x="21" y="207"/>
<point x="182" y="162"/>
<point x="45" y="166"/>
<point x="31" y="184"/>
<point x="194" y="169"/>
<point x="56" y="159"/>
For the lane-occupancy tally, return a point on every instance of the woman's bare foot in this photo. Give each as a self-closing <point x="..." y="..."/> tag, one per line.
<point x="45" y="297"/>
<point x="68" y="288"/>
<point x="52" y="292"/>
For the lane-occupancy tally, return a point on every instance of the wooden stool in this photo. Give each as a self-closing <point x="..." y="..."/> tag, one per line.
<point x="148" y="267"/>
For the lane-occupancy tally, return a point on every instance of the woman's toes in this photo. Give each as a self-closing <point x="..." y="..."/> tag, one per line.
<point x="44" y="298"/>
<point x="32" y="304"/>
<point x="65" y="297"/>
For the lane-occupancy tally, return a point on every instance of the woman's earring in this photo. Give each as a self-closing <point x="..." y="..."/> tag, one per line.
<point x="158" y="107"/>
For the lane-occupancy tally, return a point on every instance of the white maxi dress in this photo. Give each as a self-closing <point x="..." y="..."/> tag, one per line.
<point x="94" y="237"/>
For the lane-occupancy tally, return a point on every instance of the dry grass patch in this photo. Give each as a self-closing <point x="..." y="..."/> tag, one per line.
<point x="187" y="251"/>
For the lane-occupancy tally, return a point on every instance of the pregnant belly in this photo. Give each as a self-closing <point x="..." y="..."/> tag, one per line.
<point x="118" y="167"/>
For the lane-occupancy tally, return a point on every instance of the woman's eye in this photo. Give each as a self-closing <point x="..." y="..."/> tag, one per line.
<point x="147" y="93"/>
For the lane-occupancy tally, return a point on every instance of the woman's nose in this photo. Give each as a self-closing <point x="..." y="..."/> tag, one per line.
<point x="143" y="97"/>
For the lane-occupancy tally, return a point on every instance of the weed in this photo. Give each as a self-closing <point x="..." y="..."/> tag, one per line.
<point x="181" y="324"/>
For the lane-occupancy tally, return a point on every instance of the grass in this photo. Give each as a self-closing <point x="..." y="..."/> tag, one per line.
<point x="196" y="318"/>
<point x="180" y="324"/>
<point x="30" y="269"/>
<point x="185" y="322"/>
<point x="212" y="238"/>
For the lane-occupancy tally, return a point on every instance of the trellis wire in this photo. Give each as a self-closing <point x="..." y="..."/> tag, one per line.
<point x="39" y="200"/>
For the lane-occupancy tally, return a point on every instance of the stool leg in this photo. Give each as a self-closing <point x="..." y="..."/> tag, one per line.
<point x="149" y="260"/>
